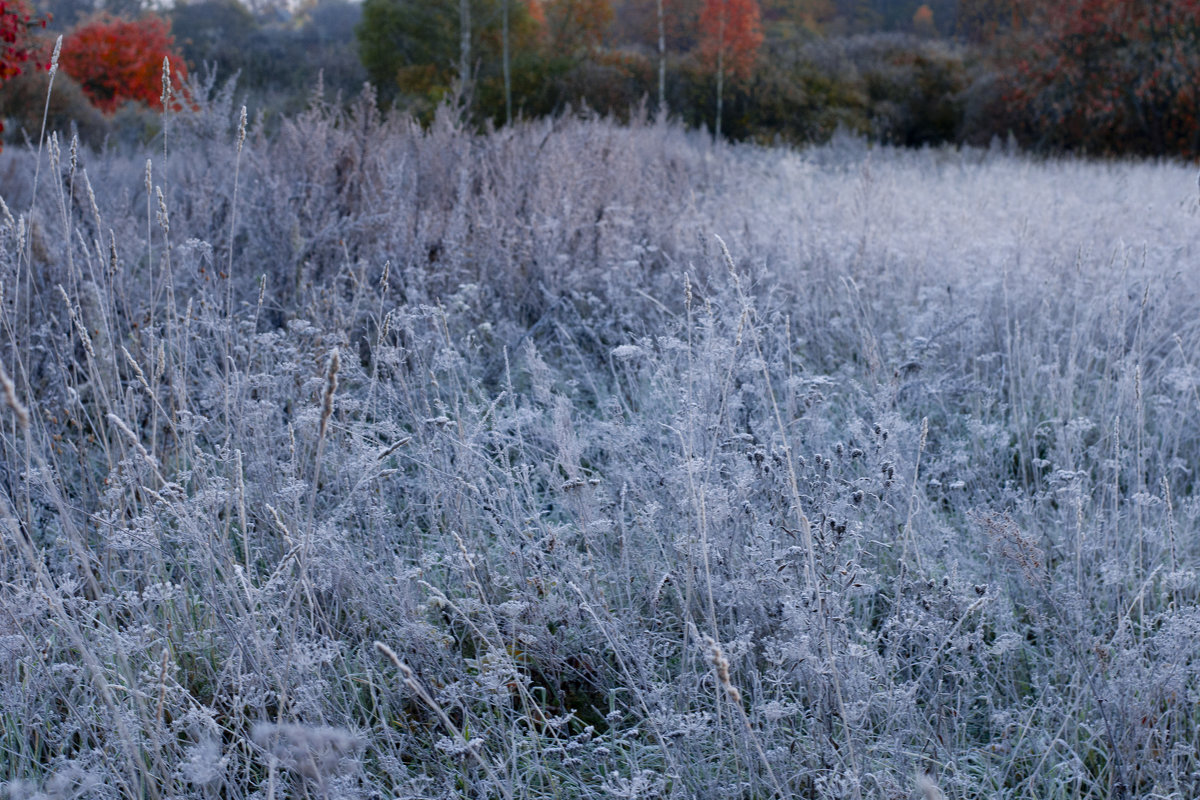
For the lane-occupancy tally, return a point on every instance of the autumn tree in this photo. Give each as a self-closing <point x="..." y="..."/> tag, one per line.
<point x="16" y="44"/>
<point x="17" y="47"/>
<point x="795" y="19"/>
<point x="408" y="46"/>
<point x="116" y="60"/>
<point x="535" y="14"/>
<point x="730" y="35"/>
<point x="1109" y="75"/>
<point x="922" y="21"/>
<point x="575" y="27"/>
<point x="983" y="21"/>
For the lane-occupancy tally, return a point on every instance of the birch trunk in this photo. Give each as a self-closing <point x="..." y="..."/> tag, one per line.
<point x="662" y="60"/>
<point x="507" y="68"/>
<point x="464" y="52"/>
<point x="720" y="92"/>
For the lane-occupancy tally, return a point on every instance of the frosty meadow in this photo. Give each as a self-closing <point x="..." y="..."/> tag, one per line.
<point x="578" y="460"/>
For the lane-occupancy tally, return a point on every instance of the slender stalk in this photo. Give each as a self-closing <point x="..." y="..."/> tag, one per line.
<point x="507" y="66"/>
<point x="464" y="46"/>
<point x="662" y="58"/>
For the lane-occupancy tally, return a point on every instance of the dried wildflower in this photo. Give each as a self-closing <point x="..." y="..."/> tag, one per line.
<point x="717" y="658"/>
<point x="164" y="221"/>
<point x="10" y="397"/>
<point x="241" y="131"/>
<point x="1014" y="545"/>
<point x="331" y="384"/>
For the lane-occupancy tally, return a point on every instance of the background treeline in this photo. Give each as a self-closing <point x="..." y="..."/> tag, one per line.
<point x="1097" y="76"/>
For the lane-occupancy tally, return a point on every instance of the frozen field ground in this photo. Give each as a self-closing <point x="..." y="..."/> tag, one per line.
<point x="372" y="462"/>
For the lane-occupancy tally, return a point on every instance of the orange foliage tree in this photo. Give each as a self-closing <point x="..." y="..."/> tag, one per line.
<point x="17" y="47"/>
<point x="1109" y="75"/>
<point x="536" y="12"/>
<point x="923" y="20"/>
<point x="730" y="35"/>
<point x="116" y="60"/>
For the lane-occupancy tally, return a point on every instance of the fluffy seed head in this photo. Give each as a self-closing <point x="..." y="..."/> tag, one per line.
<point x="163" y="219"/>
<point x="241" y="133"/>
<point x="166" y="82"/>
<point x="54" y="56"/>
<point x="331" y="384"/>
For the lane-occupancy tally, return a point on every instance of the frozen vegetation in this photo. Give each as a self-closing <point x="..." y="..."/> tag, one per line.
<point x="380" y="462"/>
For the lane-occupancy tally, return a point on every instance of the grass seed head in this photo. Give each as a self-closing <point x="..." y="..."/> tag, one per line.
<point x="241" y="132"/>
<point x="331" y="384"/>
<point x="166" y="83"/>
<point x="10" y="397"/>
<point x="54" y="57"/>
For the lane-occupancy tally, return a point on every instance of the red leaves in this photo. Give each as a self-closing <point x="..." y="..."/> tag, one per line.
<point x="16" y="46"/>
<point x="730" y="35"/>
<point x="116" y="60"/>
<point x="1109" y="75"/>
<point x="536" y="12"/>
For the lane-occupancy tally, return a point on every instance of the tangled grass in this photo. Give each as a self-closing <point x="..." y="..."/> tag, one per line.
<point x="576" y="460"/>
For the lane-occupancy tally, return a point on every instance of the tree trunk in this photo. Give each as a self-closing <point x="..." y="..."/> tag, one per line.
<point x="720" y="92"/>
<point x="662" y="60"/>
<point x="721" y="43"/>
<point x="507" y="68"/>
<point x="464" y="53"/>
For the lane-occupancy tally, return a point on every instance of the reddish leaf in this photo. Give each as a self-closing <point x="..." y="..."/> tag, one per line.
<point x="730" y="35"/>
<point x="16" y="44"/>
<point x="116" y="60"/>
<point x="1108" y="75"/>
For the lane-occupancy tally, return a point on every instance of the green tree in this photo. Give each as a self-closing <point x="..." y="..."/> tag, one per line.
<point x="277" y="60"/>
<point x="412" y="51"/>
<point x="409" y="46"/>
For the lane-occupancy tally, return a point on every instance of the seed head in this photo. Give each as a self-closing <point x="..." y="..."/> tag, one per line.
<point x="331" y="384"/>
<point x="10" y="397"/>
<point x="717" y="658"/>
<point x="54" y="56"/>
<point x="166" y="82"/>
<point x="163" y="220"/>
<point x="241" y="135"/>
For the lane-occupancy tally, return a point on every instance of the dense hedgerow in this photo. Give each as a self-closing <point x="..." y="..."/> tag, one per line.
<point x="895" y="477"/>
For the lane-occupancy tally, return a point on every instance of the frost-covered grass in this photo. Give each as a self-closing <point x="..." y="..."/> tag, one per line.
<point x="586" y="505"/>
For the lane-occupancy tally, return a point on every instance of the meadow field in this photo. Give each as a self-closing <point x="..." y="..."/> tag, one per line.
<point x="586" y="460"/>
